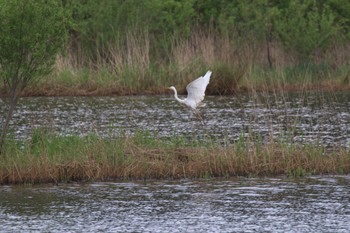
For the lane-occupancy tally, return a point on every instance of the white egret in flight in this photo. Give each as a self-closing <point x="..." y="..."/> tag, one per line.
<point x="195" y="91"/>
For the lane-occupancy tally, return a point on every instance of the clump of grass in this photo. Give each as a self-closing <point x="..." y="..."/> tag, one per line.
<point x="53" y="158"/>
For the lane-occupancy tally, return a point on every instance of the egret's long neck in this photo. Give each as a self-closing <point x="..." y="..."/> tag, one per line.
<point x="176" y="97"/>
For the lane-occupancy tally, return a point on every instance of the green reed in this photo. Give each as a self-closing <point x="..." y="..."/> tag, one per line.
<point x="52" y="158"/>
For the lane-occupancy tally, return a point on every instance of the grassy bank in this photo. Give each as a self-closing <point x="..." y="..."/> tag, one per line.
<point x="224" y="81"/>
<point x="237" y="67"/>
<point x="48" y="158"/>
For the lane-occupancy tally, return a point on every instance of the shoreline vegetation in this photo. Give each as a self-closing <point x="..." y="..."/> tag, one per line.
<point x="147" y="79"/>
<point x="237" y="67"/>
<point x="108" y="86"/>
<point x="91" y="89"/>
<point x="122" y="48"/>
<point x="48" y="158"/>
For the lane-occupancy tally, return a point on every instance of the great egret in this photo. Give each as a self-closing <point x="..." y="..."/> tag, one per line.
<point x="195" y="91"/>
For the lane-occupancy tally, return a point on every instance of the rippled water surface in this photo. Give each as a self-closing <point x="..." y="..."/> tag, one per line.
<point x="314" y="204"/>
<point x="317" y="118"/>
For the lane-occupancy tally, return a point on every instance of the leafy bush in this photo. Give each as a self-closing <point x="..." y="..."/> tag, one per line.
<point x="32" y="32"/>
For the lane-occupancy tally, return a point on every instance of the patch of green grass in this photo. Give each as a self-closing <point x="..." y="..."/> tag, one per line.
<point x="52" y="158"/>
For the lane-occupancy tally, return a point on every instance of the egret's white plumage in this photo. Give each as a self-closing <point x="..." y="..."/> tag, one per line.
<point x="195" y="91"/>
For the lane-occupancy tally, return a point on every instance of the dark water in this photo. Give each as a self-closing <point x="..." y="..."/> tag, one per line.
<point x="322" y="118"/>
<point x="314" y="204"/>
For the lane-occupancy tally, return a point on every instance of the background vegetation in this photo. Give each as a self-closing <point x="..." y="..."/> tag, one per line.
<point x="135" y="46"/>
<point x="142" y="46"/>
<point x="32" y="33"/>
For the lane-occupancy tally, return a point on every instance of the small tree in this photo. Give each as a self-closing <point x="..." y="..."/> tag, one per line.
<point x="32" y="32"/>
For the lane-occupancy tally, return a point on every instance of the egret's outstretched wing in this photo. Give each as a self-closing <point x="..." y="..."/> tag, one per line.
<point x="196" y="89"/>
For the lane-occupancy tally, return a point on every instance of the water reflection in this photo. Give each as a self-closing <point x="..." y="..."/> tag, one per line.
<point x="314" y="204"/>
<point x="317" y="118"/>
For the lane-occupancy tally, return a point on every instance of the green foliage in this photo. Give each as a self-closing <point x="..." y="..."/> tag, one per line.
<point x="306" y="72"/>
<point x="304" y="28"/>
<point x="97" y="24"/>
<point x="341" y="10"/>
<point x="31" y="34"/>
<point x="301" y="27"/>
<point x="138" y="45"/>
<point x="298" y="172"/>
<point x="252" y="19"/>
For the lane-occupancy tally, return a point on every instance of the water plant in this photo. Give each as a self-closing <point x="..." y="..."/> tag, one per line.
<point x="52" y="158"/>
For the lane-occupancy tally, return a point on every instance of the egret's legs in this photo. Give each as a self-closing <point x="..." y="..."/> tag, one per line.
<point x="199" y="116"/>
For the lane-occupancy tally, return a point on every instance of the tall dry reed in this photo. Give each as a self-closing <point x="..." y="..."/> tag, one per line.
<point x="54" y="159"/>
<point x="132" y="66"/>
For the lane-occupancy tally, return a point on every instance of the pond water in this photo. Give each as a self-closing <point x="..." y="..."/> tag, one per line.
<point x="313" y="204"/>
<point x="322" y="118"/>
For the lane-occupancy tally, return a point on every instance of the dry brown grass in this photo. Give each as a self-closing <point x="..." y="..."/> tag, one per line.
<point x="131" y="67"/>
<point x="62" y="159"/>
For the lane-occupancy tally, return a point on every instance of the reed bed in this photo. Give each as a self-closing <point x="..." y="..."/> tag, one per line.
<point x="130" y="68"/>
<point x="49" y="158"/>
